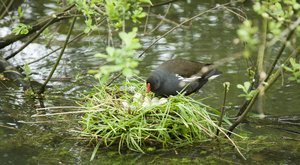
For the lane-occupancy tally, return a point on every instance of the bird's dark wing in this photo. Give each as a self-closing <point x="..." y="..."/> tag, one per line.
<point x="183" y="67"/>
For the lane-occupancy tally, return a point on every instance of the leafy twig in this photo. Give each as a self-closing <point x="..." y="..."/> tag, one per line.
<point x="250" y="103"/>
<point x="290" y="34"/>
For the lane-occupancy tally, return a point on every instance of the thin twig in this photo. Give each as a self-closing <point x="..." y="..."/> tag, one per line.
<point x="290" y="34"/>
<point x="161" y="4"/>
<point x="67" y="113"/>
<point x="6" y="10"/>
<point x="147" y="19"/>
<point x="58" y="107"/>
<point x="44" y="121"/>
<point x="162" y="19"/>
<point x="114" y="79"/>
<point x="233" y="143"/>
<point x="179" y="25"/>
<point x="55" y="50"/>
<point x="226" y="87"/>
<point x="42" y="89"/>
<point x="235" y="13"/>
<point x="4" y="126"/>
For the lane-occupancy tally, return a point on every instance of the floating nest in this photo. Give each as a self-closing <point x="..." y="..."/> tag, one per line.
<point x="124" y="114"/>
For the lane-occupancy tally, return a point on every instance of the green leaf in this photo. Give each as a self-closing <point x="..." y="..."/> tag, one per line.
<point x="240" y="86"/>
<point x="110" y="51"/>
<point x="287" y="68"/>
<point x="100" y="55"/>
<point x="128" y="72"/>
<point x="247" y="85"/>
<point x="93" y="71"/>
<point x="242" y="95"/>
<point x="146" y="1"/>
<point x="292" y="78"/>
<point x="20" y="12"/>
<point x="107" y="69"/>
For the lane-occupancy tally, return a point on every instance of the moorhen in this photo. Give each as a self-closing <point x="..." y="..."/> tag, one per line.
<point x="179" y="75"/>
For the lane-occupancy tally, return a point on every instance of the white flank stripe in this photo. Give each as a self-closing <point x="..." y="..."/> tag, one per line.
<point x="213" y="77"/>
<point x="190" y="79"/>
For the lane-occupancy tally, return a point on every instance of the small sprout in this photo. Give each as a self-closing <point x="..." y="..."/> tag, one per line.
<point x="226" y="85"/>
<point x="21" y="29"/>
<point x="244" y="87"/>
<point x="248" y="93"/>
<point x="20" y="12"/>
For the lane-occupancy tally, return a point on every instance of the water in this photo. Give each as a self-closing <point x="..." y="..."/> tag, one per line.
<point x="209" y="38"/>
